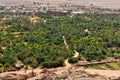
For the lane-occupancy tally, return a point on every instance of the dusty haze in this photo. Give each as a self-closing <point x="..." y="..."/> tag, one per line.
<point x="97" y="3"/>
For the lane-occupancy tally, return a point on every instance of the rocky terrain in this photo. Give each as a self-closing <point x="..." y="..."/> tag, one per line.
<point x="63" y="74"/>
<point x="97" y="3"/>
<point x="69" y="75"/>
<point x="51" y="75"/>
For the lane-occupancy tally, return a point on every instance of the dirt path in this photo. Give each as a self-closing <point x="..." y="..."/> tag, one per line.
<point x="67" y="64"/>
<point x="76" y="54"/>
<point x="65" y="42"/>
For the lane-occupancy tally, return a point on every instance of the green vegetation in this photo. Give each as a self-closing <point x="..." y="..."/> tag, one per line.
<point x="113" y="65"/>
<point x="73" y="60"/>
<point x="94" y="36"/>
<point x="96" y="66"/>
<point x="109" y="65"/>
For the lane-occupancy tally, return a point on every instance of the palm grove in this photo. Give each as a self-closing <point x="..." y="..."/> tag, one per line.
<point x="40" y="43"/>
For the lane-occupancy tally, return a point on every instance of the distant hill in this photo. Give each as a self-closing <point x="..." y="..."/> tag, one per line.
<point x="96" y="3"/>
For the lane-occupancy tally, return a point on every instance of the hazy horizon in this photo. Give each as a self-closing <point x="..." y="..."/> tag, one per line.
<point x="96" y="3"/>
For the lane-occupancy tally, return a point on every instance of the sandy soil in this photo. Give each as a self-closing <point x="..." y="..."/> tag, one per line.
<point x="108" y="73"/>
<point x="76" y="54"/>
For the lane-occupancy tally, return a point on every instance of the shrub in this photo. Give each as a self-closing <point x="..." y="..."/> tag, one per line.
<point x="52" y="64"/>
<point x="73" y="60"/>
<point x="46" y="64"/>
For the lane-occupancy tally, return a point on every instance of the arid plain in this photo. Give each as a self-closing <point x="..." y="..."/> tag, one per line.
<point x="96" y="3"/>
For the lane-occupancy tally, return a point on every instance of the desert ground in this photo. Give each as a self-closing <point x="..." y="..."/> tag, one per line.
<point x="97" y="3"/>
